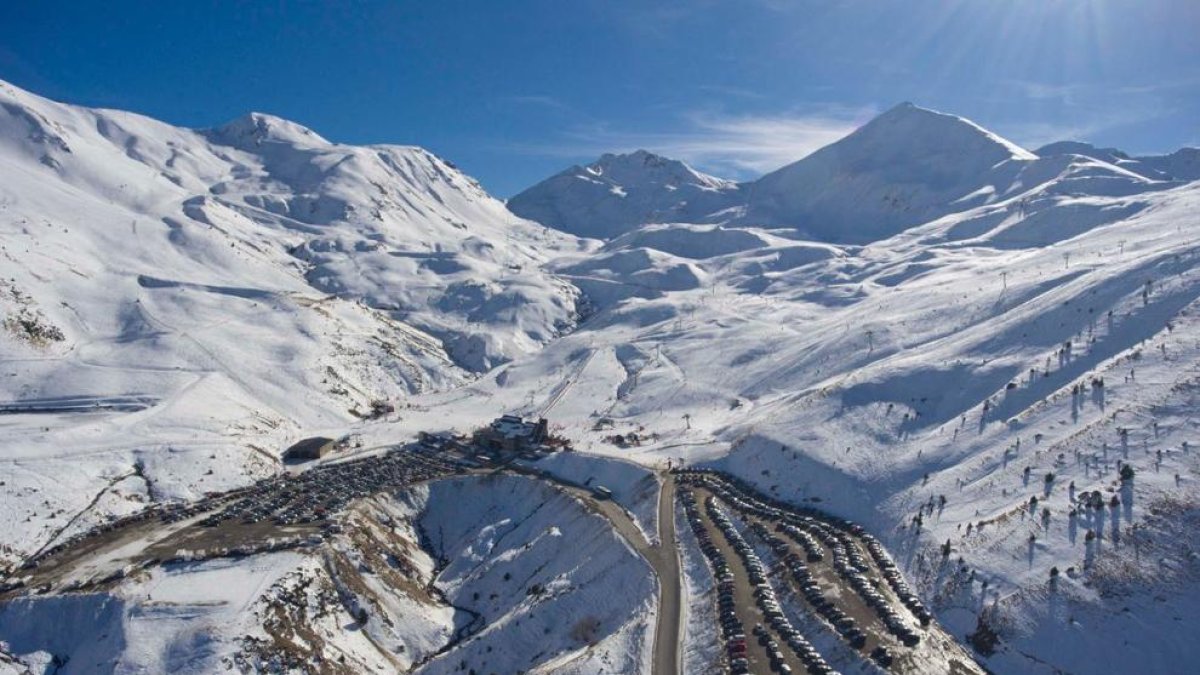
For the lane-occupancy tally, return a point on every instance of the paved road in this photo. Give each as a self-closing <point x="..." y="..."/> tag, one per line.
<point x="663" y="558"/>
<point x="668" y="641"/>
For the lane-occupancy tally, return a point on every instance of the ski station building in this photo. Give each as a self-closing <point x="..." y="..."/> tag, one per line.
<point x="513" y="434"/>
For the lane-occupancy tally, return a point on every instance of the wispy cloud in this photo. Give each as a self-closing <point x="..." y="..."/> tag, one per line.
<point x="1043" y="112"/>
<point x="1044" y="91"/>
<point x="1168" y="87"/>
<point x="661" y="19"/>
<point x="728" y="91"/>
<point x="1033" y="135"/>
<point x="1079" y="93"/>
<point x="735" y="146"/>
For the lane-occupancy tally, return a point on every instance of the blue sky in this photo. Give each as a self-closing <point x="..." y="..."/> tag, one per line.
<point x="515" y="90"/>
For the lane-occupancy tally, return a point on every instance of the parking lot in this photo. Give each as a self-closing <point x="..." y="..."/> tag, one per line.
<point x="744" y="597"/>
<point x="830" y="569"/>
<point x="277" y="513"/>
<point x="787" y="578"/>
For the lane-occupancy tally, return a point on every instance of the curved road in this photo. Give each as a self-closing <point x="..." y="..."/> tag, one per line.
<point x="663" y="558"/>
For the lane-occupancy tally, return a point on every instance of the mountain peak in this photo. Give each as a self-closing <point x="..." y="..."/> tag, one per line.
<point x="255" y="128"/>
<point x="642" y="167"/>
<point x="906" y="166"/>
<point x="934" y="129"/>
<point x="619" y="192"/>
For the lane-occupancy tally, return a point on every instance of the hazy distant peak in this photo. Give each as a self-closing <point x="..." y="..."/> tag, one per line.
<point x="620" y="191"/>
<point x="1077" y="148"/>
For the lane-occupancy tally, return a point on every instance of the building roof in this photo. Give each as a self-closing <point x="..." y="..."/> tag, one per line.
<point x="512" y="429"/>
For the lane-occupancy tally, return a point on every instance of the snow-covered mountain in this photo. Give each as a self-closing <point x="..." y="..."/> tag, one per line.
<point x="231" y="289"/>
<point x="1008" y="336"/>
<point x="920" y="310"/>
<point x="1181" y="165"/>
<point x="617" y="193"/>
<point x="908" y="166"/>
<point x="1009" y="357"/>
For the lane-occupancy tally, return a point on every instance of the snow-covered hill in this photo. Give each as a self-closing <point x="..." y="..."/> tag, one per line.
<point x="908" y="166"/>
<point x="1181" y="165"/>
<point x="186" y="303"/>
<point x="962" y="357"/>
<point x="921" y="310"/>
<point x="617" y="193"/>
<point x="515" y="564"/>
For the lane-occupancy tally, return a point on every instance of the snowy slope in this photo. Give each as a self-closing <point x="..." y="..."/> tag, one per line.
<point x="946" y="331"/>
<point x="187" y="619"/>
<point x="933" y="362"/>
<point x="555" y="588"/>
<point x="907" y="166"/>
<point x="190" y="302"/>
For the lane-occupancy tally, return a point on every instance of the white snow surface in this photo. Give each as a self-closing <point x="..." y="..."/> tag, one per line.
<point x="907" y="166"/>
<point x="701" y="654"/>
<point x="183" y="619"/>
<point x="194" y="301"/>
<point x="943" y="333"/>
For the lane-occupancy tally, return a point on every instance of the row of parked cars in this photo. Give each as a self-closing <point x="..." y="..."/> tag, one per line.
<point x="853" y="567"/>
<point x="812" y="550"/>
<point x="809" y="528"/>
<point x="867" y="589"/>
<point x="732" y="631"/>
<point x="286" y="500"/>
<point x="764" y="595"/>
<point x="843" y="624"/>
<point x="325" y="490"/>
<point x="164" y="512"/>
<point x="768" y="603"/>
<point x="896" y="580"/>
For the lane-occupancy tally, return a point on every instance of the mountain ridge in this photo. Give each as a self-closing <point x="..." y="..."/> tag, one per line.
<point x="907" y="166"/>
<point x="189" y="266"/>
<point x="964" y="379"/>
